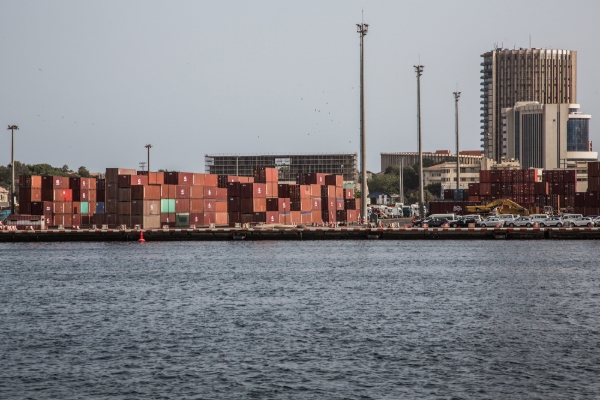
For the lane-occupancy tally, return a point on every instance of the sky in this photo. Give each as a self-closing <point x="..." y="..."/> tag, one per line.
<point x="90" y="83"/>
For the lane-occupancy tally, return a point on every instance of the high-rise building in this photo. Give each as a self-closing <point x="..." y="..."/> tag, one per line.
<point x="545" y="136"/>
<point x="508" y="76"/>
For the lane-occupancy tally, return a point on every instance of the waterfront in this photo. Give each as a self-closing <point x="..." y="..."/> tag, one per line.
<point x="334" y="319"/>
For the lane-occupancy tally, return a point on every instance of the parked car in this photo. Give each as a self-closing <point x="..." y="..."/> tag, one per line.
<point x="462" y="223"/>
<point x="552" y="221"/>
<point x="490" y="222"/>
<point x="585" y="221"/>
<point x="507" y="217"/>
<point x="476" y="217"/>
<point x="522" y="221"/>
<point x="432" y="222"/>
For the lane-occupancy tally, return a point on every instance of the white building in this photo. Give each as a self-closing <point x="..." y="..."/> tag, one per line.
<point x="445" y="174"/>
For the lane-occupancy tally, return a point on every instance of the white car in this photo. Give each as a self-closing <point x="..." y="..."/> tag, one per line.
<point x="507" y="217"/>
<point x="476" y="217"/>
<point x="523" y="221"/>
<point x="491" y="222"/>
<point x="585" y="221"/>
<point x="552" y="221"/>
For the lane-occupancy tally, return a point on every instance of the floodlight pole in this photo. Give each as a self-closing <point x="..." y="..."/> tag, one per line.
<point x="456" y="97"/>
<point x="362" y="29"/>
<point x="148" y="146"/>
<point x="419" y="71"/>
<point x="12" y="163"/>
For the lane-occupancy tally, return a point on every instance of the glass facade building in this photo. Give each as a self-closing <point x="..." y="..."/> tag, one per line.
<point x="578" y="133"/>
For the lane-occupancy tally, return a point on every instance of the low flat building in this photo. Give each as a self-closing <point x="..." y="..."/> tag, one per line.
<point x="445" y="174"/>
<point x="439" y="156"/>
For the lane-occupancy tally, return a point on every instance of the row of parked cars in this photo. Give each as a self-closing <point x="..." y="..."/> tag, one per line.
<point x="508" y="220"/>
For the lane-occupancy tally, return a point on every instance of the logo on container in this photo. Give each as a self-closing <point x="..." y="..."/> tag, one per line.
<point x="139" y="181"/>
<point x="57" y="182"/>
<point x="209" y="192"/>
<point x="209" y="206"/>
<point x="185" y="178"/>
<point x="182" y="192"/>
<point x="258" y="189"/>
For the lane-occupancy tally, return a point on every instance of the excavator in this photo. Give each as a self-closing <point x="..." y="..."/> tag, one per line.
<point x="500" y="206"/>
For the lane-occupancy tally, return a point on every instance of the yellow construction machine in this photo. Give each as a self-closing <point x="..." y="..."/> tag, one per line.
<point x="500" y="206"/>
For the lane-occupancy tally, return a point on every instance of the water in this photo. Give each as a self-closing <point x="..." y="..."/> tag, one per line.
<point x="301" y="320"/>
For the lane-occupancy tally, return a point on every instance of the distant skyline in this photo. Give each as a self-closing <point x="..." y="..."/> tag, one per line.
<point x="91" y="83"/>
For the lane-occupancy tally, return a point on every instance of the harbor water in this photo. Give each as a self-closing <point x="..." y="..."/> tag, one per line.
<point x="300" y="320"/>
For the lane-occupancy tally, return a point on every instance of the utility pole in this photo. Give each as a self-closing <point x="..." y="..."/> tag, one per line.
<point x="401" y="178"/>
<point x="148" y="146"/>
<point x="12" y="163"/>
<point x="456" y="97"/>
<point x="362" y="29"/>
<point x="419" y="71"/>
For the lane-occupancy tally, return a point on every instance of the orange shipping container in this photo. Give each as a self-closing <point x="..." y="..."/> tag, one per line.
<point x="211" y="180"/>
<point x="221" y="206"/>
<point x="197" y="205"/>
<point x="209" y="205"/>
<point x="221" y="218"/>
<point x="210" y="192"/>
<point x="140" y="192"/>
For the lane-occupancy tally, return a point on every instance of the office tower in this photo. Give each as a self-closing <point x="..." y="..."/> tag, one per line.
<point x="545" y="76"/>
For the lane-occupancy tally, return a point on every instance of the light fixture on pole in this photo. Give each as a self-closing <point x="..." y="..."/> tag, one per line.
<point x="12" y="128"/>
<point x="419" y="71"/>
<point x="456" y="97"/>
<point x="362" y="29"/>
<point x="148" y="146"/>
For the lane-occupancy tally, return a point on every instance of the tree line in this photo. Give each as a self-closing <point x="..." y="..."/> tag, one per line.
<point x="37" y="169"/>
<point x="389" y="181"/>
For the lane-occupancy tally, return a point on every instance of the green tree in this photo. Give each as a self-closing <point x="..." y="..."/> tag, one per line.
<point x="83" y="172"/>
<point x="385" y="182"/>
<point x="435" y="189"/>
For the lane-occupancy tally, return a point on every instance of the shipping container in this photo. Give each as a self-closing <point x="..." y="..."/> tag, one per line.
<point x="250" y="204"/>
<point x="112" y="174"/>
<point x="234" y="204"/>
<point x="57" y="195"/>
<point x="316" y="204"/>
<point x="182" y="192"/>
<point x="168" y="219"/>
<point x="221" y="194"/>
<point x="167" y="191"/>
<point x="265" y="174"/>
<point x="328" y="191"/>
<point x="125" y="181"/>
<point x="30" y="194"/>
<point x="210" y="192"/>
<point x="145" y="207"/>
<point x="182" y="206"/>
<point x="182" y="220"/>
<point x="334" y="180"/>
<point x="30" y="182"/>
<point x="209" y="205"/>
<point x="146" y="221"/>
<point x="99" y="208"/>
<point x="255" y="190"/>
<point x="41" y="208"/>
<point x="272" y="217"/>
<point x="178" y="178"/>
<point x="339" y="204"/>
<point x="234" y="189"/>
<point x="221" y="206"/>
<point x="283" y="190"/>
<point x="139" y="192"/>
<point x="348" y="194"/>
<point x="55" y="182"/>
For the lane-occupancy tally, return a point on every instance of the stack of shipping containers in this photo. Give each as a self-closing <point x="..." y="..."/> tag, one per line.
<point x="183" y="199"/>
<point x="588" y="203"/>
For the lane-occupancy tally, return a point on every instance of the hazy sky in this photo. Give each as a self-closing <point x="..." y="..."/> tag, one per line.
<point x="91" y="82"/>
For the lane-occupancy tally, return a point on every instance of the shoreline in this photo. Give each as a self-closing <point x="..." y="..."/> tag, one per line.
<point x="289" y="233"/>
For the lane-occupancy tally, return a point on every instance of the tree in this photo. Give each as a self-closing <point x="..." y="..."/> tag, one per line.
<point x="65" y="169"/>
<point x="83" y="172"/>
<point x="386" y="182"/>
<point x="435" y="189"/>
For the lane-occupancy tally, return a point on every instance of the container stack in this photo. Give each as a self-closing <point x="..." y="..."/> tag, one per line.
<point x="112" y="209"/>
<point x="84" y="200"/>
<point x="588" y="203"/>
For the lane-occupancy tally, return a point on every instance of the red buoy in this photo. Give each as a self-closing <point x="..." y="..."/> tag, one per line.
<point x="141" y="239"/>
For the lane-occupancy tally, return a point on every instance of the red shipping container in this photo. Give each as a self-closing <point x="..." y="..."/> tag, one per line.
<point x="328" y="191"/>
<point x="221" y="194"/>
<point x="283" y="190"/>
<point x="76" y="220"/>
<point x="334" y="180"/>
<point x="221" y="218"/>
<point x="487" y="176"/>
<point x="145" y="207"/>
<point x="473" y="189"/>
<point x="198" y="180"/>
<point x="211" y="180"/>
<point x="474" y="199"/>
<point x="339" y="204"/>
<point x="178" y="178"/>
<point x="76" y="207"/>
<point x="328" y="203"/>
<point x="253" y="190"/>
<point x="210" y="192"/>
<point x="328" y="216"/>
<point x="283" y="204"/>
<point x="55" y="182"/>
<point x="197" y="219"/>
<point x="272" y="217"/>
<point x="57" y="195"/>
<point x="197" y="192"/>
<point x="247" y="218"/>
<point x="30" y="182"/>
<point x="285" y="218"/>
<point x="112" y="175"/>
<point x="196" y="205"/>
<point x="182" y="192"/>
<point x="351" y="216"/>
<point x="349" y="193"/>
<point x="316" y="217"/>
<point x="126" y="181"/>
<point x="30" y="194"/>
<point x="210" y="206"/>
<point x="272" y="205"/>
<point x="234" y="189"/>
<point x="234" y="204"/>
<point x="139" y="192"/>
<point x="80" y="183"/>
<point x="167" y="219"/>
<point x="182" y="206"/>
<point x="221" y="206"/>
<point x="295" y="217"/>
<point x="249" y="204"/>
<point x="41" y="208"/>
<point x="81" y="194"/>
<point x="209" y="218"/>
<point x="271" y="189"/>
<point x="306" y="217"/>
<point x="485" y="189"/>
<point x="316" y="204"/>
<point x="305" y="204"/>
<point x="62" y="219"/>
<point x="92" y="205"/>
<point x="339" y="192"/>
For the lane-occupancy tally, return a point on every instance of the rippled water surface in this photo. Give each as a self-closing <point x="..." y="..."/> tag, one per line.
<point x="306" y="320"/>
